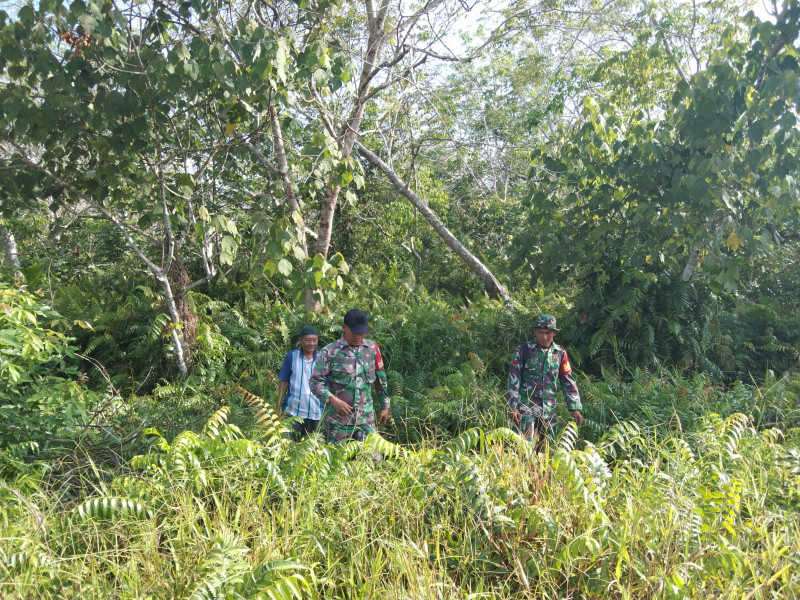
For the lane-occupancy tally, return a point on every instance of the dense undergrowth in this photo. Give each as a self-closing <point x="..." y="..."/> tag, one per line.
<point x="710" y="513"/>
<point x="119" y="481"/>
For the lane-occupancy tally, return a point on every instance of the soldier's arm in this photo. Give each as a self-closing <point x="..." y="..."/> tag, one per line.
<point x="514" y="372"/>
<point x="381" y="383"/>
<point x="569" y="385"/>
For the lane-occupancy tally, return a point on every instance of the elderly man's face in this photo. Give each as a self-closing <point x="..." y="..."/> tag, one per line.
<point x="308" y="343"/>
<point x="352" y="339"/>
<point x="544" y="337"/>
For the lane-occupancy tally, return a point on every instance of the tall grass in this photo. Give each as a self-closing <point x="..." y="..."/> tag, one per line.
<point x="643" y="512"/>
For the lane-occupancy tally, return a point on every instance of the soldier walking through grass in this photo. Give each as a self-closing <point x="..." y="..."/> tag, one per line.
<point x="533" y="378"/>
<point x="343" y="376"/>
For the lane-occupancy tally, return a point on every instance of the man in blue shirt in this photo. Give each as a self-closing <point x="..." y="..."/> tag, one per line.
<point x="294" y="375"/>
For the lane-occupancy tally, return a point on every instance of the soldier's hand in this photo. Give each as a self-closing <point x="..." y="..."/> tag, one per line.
<point x="578" y="416"/>
<point x="339" y="405"/>
<point x="515" y="415"/>
<point x="383" y="417"/>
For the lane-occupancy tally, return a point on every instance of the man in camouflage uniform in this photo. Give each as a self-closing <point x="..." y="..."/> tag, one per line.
<point x="342" y="377"/>
<point x="533" y="377"/>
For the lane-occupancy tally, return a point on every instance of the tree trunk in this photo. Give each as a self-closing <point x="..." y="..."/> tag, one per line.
<point x="179" y="282"/>
<point x="11" y="250"/>
<point x="348" y="134"/>
<point x="175" y="316"/>
<point x="291" y="198"/>
<point x="282" y="170"/>
<point x="493" y="285"/>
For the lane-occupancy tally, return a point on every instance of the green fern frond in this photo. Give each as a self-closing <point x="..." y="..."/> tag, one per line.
<point x="236" y="447"/>
<point x="112" y="508"/>
<point x="504" y="434"/>
<point x="469" y="440"/>
<point x="445" y="370"/>
<point x="626" y="435"/>
<point x="567" y="472"/>
<point x="598" y="470"/>
<point x="772" y="436"/>
<point x="165" y="390"/>
<point x="683" y="450"/>
<point x="268" y="422"/>
<point x="734" y="428"/>
<point x="159" y="325"/>
<point x="148" y="462"/>
<point x="568" y="438"/>
<point x="16" y="562"/>
<point x="142" y="489"/>
<point x="272" y="476"/>
<point x="469" y="481"/>
<point x="275" y="580"/>
<point x="105" y="339"/>
<point x="375" y="442"/>
<point x="159" y="441"/>
<point x="222" y="567"/>
<point x="216" y="423"/>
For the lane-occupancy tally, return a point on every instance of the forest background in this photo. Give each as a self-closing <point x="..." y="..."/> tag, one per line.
<point x="183" y="185"/>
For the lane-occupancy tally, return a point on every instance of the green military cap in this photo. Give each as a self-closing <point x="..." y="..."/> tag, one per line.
<point x="546" y="322"/>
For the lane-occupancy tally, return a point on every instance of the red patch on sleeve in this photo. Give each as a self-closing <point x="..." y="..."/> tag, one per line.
<point x="378" y="359"/>
<point x="565" y="367"/>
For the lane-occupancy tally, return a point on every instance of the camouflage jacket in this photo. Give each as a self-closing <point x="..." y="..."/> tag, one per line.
<point x="348" y="372"/>
<point x="532" y="387"/>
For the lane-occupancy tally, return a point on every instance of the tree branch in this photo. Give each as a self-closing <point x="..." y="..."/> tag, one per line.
<point x="492" y="283"/>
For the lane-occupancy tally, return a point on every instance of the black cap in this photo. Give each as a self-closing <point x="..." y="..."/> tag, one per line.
<point x="356" y="320"/>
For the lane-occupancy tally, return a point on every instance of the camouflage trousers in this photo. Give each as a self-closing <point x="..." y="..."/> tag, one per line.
<point x="537" y="431"/>
<point x="337" y="433"/>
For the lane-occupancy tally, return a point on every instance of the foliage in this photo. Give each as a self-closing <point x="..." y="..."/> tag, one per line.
<point x="41" y="399"/>
<point x="706" y="506"/>
<point x="665" y="401"/>
<point x="133" y="115"/>
<point x="140" y="158"/>
<point x="627" y="204"/>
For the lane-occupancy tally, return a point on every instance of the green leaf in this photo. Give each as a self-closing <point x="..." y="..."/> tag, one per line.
<point x="88" y="22"/>
<point x="281" y="60"/>
<point x="297" y="218"/>
<point x="183" y="52"/>
<point x="284" y="267"/>
<point x="113" y="104"/>
<point x="228" y="247"/>
<point x="26" y="15"/>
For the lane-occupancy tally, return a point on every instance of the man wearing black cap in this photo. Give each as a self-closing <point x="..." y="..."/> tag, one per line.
<point x="295" y="375"/>
<point x="343" y="375"/>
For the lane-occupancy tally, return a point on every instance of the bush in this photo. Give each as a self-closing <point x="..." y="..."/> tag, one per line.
<point x="41" y="397"/>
